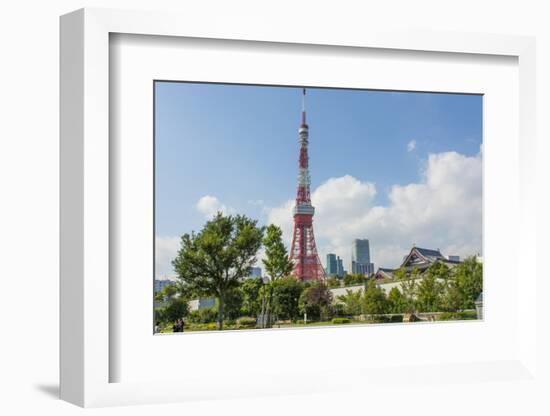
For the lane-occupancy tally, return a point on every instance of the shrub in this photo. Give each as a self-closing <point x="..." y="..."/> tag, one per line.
<point x="203" y="316"/>
<point x="386" y="319"/>
<point x="457" y="316"/>
<point x="177" y="308"/>
<point x="246" y="322"/>
<point x="338" y="321"/>
<point x="203" y="327"/>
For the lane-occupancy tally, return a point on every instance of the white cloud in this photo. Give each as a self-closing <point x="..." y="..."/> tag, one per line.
<point x="256" y="202"/>
<point x="166" y="249"/>
<point x="209" y="206"/>
<point x="411" y="145"/>
<point x="442" y="210"/>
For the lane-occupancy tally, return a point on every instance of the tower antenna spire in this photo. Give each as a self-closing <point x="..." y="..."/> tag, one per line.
<point x="304" y="107"/>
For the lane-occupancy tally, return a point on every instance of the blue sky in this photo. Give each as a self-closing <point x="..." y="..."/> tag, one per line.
<point x="239" y="144"/>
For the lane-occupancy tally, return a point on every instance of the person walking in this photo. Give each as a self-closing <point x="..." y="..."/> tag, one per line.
<point x="176" y="327"/>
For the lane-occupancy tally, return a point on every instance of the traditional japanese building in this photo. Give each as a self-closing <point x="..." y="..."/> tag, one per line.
<point x="384" y="273"/>
<point x="420" y="259"/>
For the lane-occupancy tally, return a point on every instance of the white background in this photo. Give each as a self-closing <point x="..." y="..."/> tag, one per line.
<point x="29" y="209"/>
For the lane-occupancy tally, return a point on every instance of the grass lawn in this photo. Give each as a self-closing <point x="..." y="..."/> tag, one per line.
<point x="191" y="327"/>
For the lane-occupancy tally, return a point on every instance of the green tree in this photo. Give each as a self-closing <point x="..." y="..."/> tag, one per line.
<point x="451" y="298"/>
<point x="469" y="281"/>
<point x="408" y="287"/>
<point x="396" y="301"/>
<point x="316" y="300"/>
<point x="286" y="297"/>
<point x="233" y="303"/>
<point x="178" y="308"/>
<point x="439" y="270"/>
<point x="333" y="282"/>
<point x="429" y="291"/>
<point x="251" y="303"/>
<point x="169" y="291"/>
<point x="353" y="302"/>
<point x="374" y="300"/>
<point x="277" y="265"/>
<point x="213" y="261"/>
<point x="159" y="297"/>
<point x="354" y="279"/>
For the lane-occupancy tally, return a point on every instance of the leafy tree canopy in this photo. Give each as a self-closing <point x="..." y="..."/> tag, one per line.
<point x="214" y="260"/>
<point x="286" y="297"/>
<point x="277" y="264"/>
<point x="375" y="301"/>
<point x="315" y="300"/>
<point x="353" y="302"/>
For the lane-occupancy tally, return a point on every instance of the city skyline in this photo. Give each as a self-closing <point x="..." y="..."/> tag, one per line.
<point x="381" y="162"/>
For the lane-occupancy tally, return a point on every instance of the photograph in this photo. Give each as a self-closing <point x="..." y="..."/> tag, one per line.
<point x="307" y="207"/>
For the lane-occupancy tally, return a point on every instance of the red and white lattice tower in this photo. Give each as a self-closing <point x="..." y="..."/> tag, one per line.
<point x="303" y="251"/>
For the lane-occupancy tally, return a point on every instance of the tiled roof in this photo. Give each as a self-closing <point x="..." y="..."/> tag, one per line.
<point x="428" y="252"/>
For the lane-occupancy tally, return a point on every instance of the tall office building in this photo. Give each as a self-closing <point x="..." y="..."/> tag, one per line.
<point x="360" y="257"/>
<point x="340" y="267"/>
<point x="332" y="265"/>
<point x="335" y="266"/>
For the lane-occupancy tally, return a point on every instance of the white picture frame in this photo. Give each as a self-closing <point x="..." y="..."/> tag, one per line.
<point x="86" y="356"/>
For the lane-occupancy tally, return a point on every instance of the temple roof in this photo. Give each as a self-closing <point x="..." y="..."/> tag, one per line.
<point x="428" y="252"/>
<point x="384" y="272"/>
<point x="422" y="258"/>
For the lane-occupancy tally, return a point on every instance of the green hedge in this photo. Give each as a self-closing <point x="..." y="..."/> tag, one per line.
<point x="246" y="322"/>
<point x="203" y="327"/>
<point x="338" y="321"/>
<point x="203" y="316"/>
<point x="457" y="316"/>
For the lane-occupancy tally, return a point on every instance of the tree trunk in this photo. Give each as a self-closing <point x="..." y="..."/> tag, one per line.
<point x="262" y="313"/>
<point x="268" y="307"/>
<point x="221" y="311"/>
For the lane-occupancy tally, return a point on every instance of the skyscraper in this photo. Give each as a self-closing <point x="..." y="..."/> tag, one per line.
<point x="340" y="267"/>
<point x="360" y="257"/>
<point x="332" y="265"/>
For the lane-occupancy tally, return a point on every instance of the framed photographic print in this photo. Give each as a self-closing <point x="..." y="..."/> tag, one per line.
<point x="291" y="213"/>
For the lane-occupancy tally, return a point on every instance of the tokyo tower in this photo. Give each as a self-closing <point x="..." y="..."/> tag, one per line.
<point x="303" y="251"/>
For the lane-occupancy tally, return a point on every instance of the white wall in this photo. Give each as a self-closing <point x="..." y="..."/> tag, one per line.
<point x="29" y="175"/>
